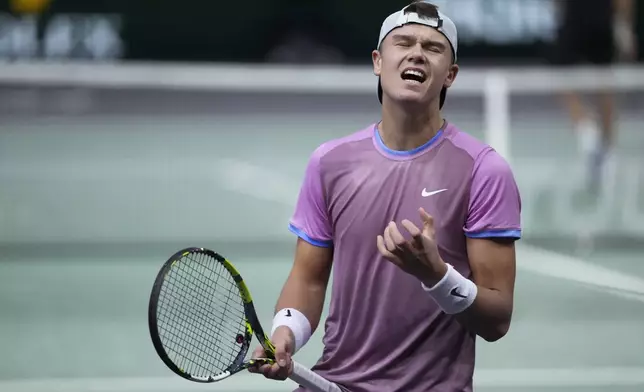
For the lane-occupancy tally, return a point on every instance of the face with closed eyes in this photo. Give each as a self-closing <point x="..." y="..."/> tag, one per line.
<point x="414" y="62"/>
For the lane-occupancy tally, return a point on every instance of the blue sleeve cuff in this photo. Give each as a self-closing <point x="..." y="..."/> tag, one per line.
<point x="300" y="233"/>
<point x="496" y="234"/>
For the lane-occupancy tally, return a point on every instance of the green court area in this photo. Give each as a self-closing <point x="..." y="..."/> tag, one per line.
<point x="80" y="325"/>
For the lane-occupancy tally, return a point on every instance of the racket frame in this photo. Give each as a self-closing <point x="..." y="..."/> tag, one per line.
<point x="301" y="375"/>
<point x="252" y="324"/>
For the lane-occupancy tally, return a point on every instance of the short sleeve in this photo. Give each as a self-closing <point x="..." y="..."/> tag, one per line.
<point x="495" y="204"/>
<point x="310" y="220"/>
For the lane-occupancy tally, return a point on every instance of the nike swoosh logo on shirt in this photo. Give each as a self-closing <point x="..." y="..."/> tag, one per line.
<point x="432" y="193"/>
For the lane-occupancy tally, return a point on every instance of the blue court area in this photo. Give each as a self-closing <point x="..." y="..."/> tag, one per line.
<point x="97" y="189"/>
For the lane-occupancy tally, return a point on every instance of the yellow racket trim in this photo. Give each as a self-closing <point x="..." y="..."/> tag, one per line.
<point x="243" y="290"/>
<point x="247" y="298"/>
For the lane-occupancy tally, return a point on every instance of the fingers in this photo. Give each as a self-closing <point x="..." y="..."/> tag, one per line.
<point x="397" y="239"/>
<point x="275" y="371"/>
<point x="389" y="242"/>
<point x="411" y="228"/>
<point x="281" y="368"/>
<point x="282" y="356"/>
<point x="392" y="245"/>
<point x="428" y="223"/>
<point x="427" y="219"/>
<point x="258" y="353"/>
<point x="382" y="248"/>
<point x="396" y="244"/>
<point x="415" y="232"/>
<point x="272" y="370"/>
<point x="394" y="241"/>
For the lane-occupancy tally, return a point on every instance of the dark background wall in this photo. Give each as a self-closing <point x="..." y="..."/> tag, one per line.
<point x="336" y="31"/>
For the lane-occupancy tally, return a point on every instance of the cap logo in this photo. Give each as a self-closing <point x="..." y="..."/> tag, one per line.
<point x="412" y="17"/>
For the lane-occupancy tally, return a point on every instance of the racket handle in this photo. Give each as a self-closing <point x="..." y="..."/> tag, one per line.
<point x="312" y="381"/>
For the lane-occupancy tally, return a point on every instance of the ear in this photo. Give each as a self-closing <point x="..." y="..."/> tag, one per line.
<point x="451" y="75"/>
<point x="377" y="62"/>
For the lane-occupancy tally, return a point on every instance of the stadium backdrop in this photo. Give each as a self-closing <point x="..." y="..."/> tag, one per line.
<point x="498" y="31"/>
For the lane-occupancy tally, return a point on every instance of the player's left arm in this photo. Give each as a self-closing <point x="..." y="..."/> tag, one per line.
<point x="493" y="266"/>
<point x="492" y="227"/>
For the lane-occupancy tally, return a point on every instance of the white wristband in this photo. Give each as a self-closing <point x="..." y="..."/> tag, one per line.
<point x="453" y="293"/>
<point x="297" y="322"/>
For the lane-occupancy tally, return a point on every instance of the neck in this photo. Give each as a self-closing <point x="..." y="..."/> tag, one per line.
<point x="403" y="130"/>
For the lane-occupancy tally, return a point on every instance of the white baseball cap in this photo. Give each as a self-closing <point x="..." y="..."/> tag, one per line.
<point x="405" y="16"/>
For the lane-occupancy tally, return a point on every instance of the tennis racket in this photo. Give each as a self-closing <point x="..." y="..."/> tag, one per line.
<point x="202" y="320"/>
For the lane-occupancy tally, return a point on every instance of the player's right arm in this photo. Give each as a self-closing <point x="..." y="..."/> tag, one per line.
<point x="299" y="306"/>
<point x="306" y="285"/>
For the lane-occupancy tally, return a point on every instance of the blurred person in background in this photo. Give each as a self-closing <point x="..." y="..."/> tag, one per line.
<point x="597" y="32"/>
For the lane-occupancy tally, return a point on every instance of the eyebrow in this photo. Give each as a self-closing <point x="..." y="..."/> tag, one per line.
<point x="406" y="37"/>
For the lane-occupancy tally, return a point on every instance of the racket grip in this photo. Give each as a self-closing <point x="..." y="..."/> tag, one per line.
<point x="312" y="381"/>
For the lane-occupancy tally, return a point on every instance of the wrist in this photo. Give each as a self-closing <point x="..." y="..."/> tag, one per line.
<point x="298" y="325"/>
<point x="436" y="275"/>
<point x="453" y="293"/>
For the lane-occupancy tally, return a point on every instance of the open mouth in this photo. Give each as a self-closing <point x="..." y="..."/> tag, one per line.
<point x="414" y="75"/>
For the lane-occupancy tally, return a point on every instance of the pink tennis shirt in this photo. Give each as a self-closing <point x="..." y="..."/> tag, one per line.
<point x="383" y="332"/>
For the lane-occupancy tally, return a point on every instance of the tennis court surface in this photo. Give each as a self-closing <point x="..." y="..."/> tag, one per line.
<point x="99" y="188"/>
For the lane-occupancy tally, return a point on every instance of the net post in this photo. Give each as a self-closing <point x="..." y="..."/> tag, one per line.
<point x="496" y="105"/>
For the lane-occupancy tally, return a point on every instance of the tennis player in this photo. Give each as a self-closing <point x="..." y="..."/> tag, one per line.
<point x="418" y="220"/>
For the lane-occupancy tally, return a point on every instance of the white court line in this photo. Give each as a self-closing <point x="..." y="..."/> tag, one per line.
<point x="625" y="295"/>
<point x="490" y="378"/>
<point x="556" y="265"/>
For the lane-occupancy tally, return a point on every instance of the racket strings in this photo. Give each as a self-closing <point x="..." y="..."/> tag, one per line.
<point x="200" y="315"/>
<point x="223" y="308"/>
<point x="180" y="340"/>
<point x="203" y="316"/>
<point x="232" y="295"/>
<point x="201" y="335"/>
<point x="190" y="342"/>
